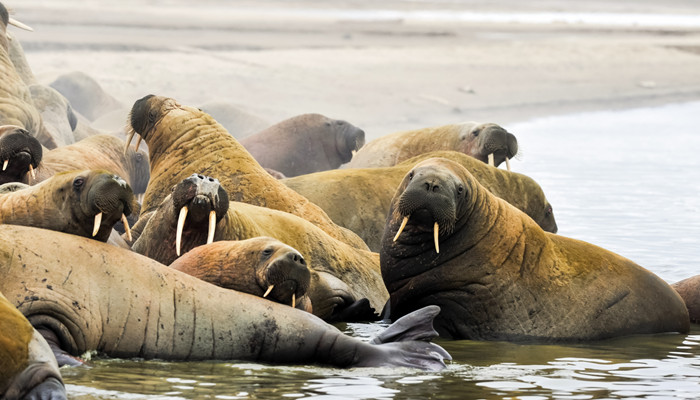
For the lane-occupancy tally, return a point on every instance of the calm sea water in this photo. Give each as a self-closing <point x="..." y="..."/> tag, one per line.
<point x="625" y="180"/>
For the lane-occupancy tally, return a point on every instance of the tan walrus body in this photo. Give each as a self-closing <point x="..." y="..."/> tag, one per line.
<point x="497" y="276"/>
<point x="359" y="198"/>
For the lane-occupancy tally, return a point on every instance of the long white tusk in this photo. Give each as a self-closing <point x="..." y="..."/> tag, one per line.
<point x="128" y="141"/>
<point x="31" y="171"/>
<point x="269" y="289"/>
<point x="294" y="300"/>
<point x="436" y="228"/>
<point x="180" y="226"/>
<point x="20" y="25"/>
<point x="126" y="227"/>
<point x="491" y="162"/>
<point x="212" y="226"/>
<point x="508" y="163"/>
<point x="98" y="221"/>
<point x="138" y="143"/>
<point x="403" y="225"/>
<point x="4" y="164"/>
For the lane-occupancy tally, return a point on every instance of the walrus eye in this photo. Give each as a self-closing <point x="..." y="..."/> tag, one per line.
<point x="78" y="182"/>
<point x="460" y="189"/>
<point x="475" y="133"/>
<point x="139" y="157"/>
<point x="151" y="116"/>
<point x="548" y="212"/>
<point x="267" y="252"/>
<point x="410" y="175"/>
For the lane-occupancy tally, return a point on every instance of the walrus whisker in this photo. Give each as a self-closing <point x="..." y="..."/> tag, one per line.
<point x="508" y="163"/>
<point x="32" y="172"/>
<point x="180" y="226"/>
<point x="294" y="300"/>
<point x="4" y="164"/>
<point x="20" y="25"/>
<point x="128" y="140"/>
<point x="98" y="221"/>
<point x="269" y="289"/>
<point x="126" y="227"/>
<point x="212" y="226"/>
<point x="403" y="225"/>
<point x="436" y="229"/>
<point x="491" y="161"/>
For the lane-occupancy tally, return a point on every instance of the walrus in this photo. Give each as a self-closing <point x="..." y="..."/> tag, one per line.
<point x="304" y="144"/>
<point x="261" y="266"/>
<point x="183" y="141"/>
<point x="346" y="283"/>
<point x="689" y="290"/>
<point x="487" y="142"/>
<point x="125" y="305"/>
<point x="496" y="275"/>
<point x="28" y="368"/>
<point x="343" y="193"/>
<point x="85" y="203"/>
<point x="99" y="152"/>
<point x="56" y="113"/>
<point x="20" y="154"/>
<point x="85" y="94"/>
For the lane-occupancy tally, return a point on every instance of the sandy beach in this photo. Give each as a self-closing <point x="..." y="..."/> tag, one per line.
<point x="383" y="67"/>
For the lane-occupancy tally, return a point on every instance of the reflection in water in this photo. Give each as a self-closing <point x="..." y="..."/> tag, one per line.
<point x="626" y="181"/>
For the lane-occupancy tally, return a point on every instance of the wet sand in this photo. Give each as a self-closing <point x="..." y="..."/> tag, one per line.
<point x="400" y="68"/>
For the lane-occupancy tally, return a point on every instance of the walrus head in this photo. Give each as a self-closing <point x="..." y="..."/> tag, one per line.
<point x="139" y="169"/>
<point x="20" y="153"/>
<point x="489" y="143"/>
<point x="198" y="200"/>
<point x="349" y="139"/>
<point x="145" y="116"/>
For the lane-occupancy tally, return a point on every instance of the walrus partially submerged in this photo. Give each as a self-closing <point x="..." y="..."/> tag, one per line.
<point x="496" y="275"/>
<point x="183" y="141"/>
<point x="20" y="155"/>
<point x="126" y="305"/>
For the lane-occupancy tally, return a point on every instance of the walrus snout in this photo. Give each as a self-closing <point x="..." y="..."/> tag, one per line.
<point x="110" y="199"/>
<point x="20" y="153"/>
<point x="287" y="277"/>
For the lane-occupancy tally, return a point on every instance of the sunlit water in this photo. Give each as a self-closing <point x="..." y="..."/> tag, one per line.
<point x="627" y="181"/>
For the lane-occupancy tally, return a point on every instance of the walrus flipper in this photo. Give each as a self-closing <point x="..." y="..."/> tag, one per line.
<point x="417" y="325"/>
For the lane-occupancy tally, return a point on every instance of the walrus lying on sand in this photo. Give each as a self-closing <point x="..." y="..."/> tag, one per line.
<point x="496" y="275"/>
<point x="260" y="266"/>
<point x="85" y="203"/>
<point x="136" y="307"/>
<point x="20" y="154"/>
<point x="28" y="368"/>
<point x="198" y="212"/>
<point x="183" y="141"/>
<point x="487" y="142"/>
<point x="343" y="193"/>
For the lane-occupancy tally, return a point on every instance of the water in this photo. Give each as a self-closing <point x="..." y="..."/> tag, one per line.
<point x="624" y="180"/>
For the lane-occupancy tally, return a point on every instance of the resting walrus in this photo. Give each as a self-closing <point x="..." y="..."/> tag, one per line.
<point x="20" y="154"/>
<point x="85" y="203"/>
<point x="689" y="290"/>
<point x="261" y="266"/>
<point x="28" y="368"/>
<point x="486" y="142"/>
<point x="304" y="144"/>
<point x="343" y="193"/>
<point x="87" y="295"/>
<point x="498" y="276"/>
<point x="183" y="141"/>
<point x="198" y="212"/>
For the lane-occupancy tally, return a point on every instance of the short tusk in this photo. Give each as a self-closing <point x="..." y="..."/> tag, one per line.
<point x="32" y="172"/>
<point x="491" y="162"/>
<point x="212" y="226"/>
<point x="98" y="221"/>
<point x="403" y="225"/>
<point x="269" y="289"/>
<point x="4" y="164"/>
<point x="138" y="143"/>
<point x="436" y="229"/>
<point x="508" y="163"/>
<point x="128" y="141"/>
<point x="20" y="25"/>
<point x="126" y="227"/>
<point x="180" y="226"/>
<point x="294" y="300"/>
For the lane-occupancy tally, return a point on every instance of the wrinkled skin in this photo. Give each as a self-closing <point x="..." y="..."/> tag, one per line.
<point x="252" y="266"/>
<point x="304" y="144"/>
<point x="474" y="139"/>
<point x="69" y="202"/>
<point x="498" y="276"/>
<point x="342" y="193"/>
<point x="20" y="150"/>
<point x="99" y="152"/>
<point x="85" y="94"/>
<point x="28" y="368"/>
<point x="345" y="281"/>
<point x="57" y="114"/>
<point x="689" y="290"/>
<point x="183" y="141"/>
<point x="125" y="305"/>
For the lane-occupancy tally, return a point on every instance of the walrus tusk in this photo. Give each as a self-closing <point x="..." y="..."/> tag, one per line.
<point x="31" y="171"/>
<point x="403" y="225"/>
<point x="128" y="141"/>
<point x="138" y="143"/>
<point x="508" y="163"/>
<point x="180" y="226"/>
<point x="212" y="226"/>
<point x="98" y="221"/>
<point x="491" y="162"/>
<point x="294" y="300"/>
<point x="269" y="289"/>
<point x="436" y="228"/>
<point x="126" y="227"/>
<point x="4" y="164"/>
<point x="20" y="25"/>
